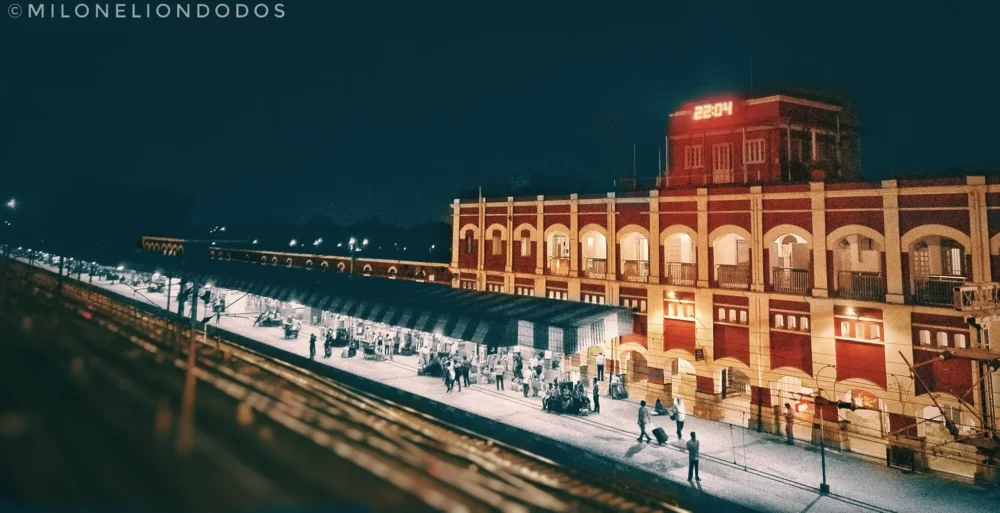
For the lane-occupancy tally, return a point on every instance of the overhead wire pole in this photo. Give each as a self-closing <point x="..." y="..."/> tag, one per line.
<point x="185" y="428"/>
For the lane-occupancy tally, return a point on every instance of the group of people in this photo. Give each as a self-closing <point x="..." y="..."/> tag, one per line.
<point x="677" y="413"/>
<point x="567" y="397"/>
<point x="456" y="371"/>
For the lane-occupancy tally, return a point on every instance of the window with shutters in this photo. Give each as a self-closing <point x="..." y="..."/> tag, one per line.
<point x="753" y="151"/>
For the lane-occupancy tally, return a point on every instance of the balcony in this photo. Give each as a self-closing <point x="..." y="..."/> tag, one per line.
<point x="595" y="268"/>
<point x="635" y="270"/>
<point x="559" y="266"/>
<point x="860" y="285"/>
<point x="734" y="276"/>
<point x="680" y="273"/>
<point x="790" y="280"/>
<point x="936" y="290"/>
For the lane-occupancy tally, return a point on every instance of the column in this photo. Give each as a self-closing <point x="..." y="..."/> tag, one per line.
<point x="979" y="231"/>
<point x="540" y="235"/>
<point x="612" y="244"/>
<point x="509" y="265"/>
<point x="893" y="261"/>
<point x="481" y="247"/>
<point x="574" y="239"/>
<point x="655" y="244"/>
<point x="456" y="208"/>
<point x="818" y="198"/>
<point x="703" y="270"/>
<point x="757" y="278"/>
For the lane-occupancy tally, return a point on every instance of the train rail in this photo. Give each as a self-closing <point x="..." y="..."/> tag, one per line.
<point x="442" y="466"/>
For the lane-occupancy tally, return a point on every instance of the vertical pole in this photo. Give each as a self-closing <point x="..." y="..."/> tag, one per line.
<point x="61" y="260"/>
<point x="823" y="488"/>
<point x="169" y="283"/>
<point x="185" y="429"/>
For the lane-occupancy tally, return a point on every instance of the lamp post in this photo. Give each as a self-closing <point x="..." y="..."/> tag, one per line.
<point x="824" y="487"/>
<point x="355" y="248"/>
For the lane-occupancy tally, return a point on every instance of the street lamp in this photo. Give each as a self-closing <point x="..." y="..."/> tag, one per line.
<point x="355" y="248"/>
<point x="824" y="488"/>
<point x="12" y="204"/>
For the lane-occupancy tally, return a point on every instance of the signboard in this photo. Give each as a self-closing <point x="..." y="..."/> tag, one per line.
<point x="699" y="355"/>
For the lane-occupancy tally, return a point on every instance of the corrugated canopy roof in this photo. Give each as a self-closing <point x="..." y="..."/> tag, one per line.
<point x="487" y="318"/>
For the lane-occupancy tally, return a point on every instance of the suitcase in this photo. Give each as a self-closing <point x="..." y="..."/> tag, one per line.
<point x="660" y="434"/>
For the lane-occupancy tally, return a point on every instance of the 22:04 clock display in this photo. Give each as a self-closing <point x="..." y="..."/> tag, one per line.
<point x="713" y="110"/>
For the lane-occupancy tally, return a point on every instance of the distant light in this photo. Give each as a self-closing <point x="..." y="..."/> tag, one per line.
<point x="433" y="246"/>
<point x="318" y="241"/>
<point x="156" y="276"/>
<point x="213" y="242"/>
<point x="364" y="242"/>
<point x="222" y="229"/>
<point x="339" y="244"/>
<point x="352" y="241"/>
<point x="850" y="311"/>
<point x="404" y="248"/>
<point x="120" y="268"/>
<point x="209" y="285"/>
<point x="12" y="203"/>
<point x="292" y="243"/>
<point x="254" y="241"/>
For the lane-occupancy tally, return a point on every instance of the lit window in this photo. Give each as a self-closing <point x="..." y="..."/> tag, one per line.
<point x="792" y="322"/>
<point x="525" y="246"/>
<point x="692" y="157"/>
<point x="469" y="245"/>
<point x="960" y="341"/>
<point x="642" y="306"/>
<point x="689" y="311"/>
<point x="722" y="314"/>
<point x="732" y="315"/>
<point x="497" y="243"/>
<point x="942" y="339"/>
<point x="804" y="323"/>
<point x="672" y="310"/>
<point x="876" y="332"/>
<point x="743" y="317"/>
<point x="925" y="337"/>
<point x="753" y="151"/>
<point x="845" y="329"/>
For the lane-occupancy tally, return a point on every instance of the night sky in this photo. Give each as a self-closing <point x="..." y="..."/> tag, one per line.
<point x="361" y="109"/>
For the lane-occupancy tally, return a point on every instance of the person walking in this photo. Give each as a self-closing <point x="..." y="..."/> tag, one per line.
<point x="449" y="376"/>
<point x="312" y="347"/>
<point x="498" y="372"/>
<point x="693" y="447"/>
<point x="644" y="419"/>
<point x="597" y="396"/>
<point x="679" y="413"/>
<point x="600" y="367"/>
<point x="456" y="371"/>
<point x="466" y="369"/>
<point x="789" y="424"/>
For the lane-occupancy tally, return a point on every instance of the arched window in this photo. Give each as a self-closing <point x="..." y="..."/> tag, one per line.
<point x="845" y="329"/>
<point x="722" y="314"/>
<point x="469" y="242"/>
<point x="779" y="321"/>
<point x="876" y="332"/>
<point x="925" y="337"/>
<point x="942" y="339"/>
<point x="804" y="323"/>
<point x="792" y="322"/>
<point x="960" y="341"/>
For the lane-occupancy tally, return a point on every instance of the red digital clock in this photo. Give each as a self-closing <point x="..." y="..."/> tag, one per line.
<point x="713" y="110"/>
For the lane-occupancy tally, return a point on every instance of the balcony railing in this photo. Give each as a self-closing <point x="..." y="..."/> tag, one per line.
<point x="790" y="280"/>
<point x="595" y="268"/>
<point x="559" y="266"/>
<point x="635" y="270"/>
<point x="734" y="276"/>
<point x="936" y="290"/>
<point x="860" y="285"/>
<point x="681" y="273"/>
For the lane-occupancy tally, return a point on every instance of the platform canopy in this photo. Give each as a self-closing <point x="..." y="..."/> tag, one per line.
<point x="494" y="319"/>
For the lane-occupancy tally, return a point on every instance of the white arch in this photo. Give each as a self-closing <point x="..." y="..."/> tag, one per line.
<point x="631" y="228"/>
<point x="309" y="263"/>
<point x="367" y="268"/>
<point x="835" y="236"/>
<point x="783" y="229"/>
<point x="674" y="229"/>
<point x="324" y="264"/>
<point x="593" y="227"/>
<point x="525" y="226"/>
<point x="726" y="230"/>
<point x="392" y="270"/>
<point x="466" y="228"/>
<point x="496" y="227"/>
<point x="263" y="259"/>
<point x="341" y="266"/>
<point x="288" y="261"/>
<point x="928" y="230"/>
<point x="556" y="228"/>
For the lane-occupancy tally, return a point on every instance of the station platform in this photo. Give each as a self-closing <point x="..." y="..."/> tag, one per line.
<point x="756" y="470"/>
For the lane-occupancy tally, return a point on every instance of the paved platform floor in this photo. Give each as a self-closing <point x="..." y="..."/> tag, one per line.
<point x="743" y="466"/>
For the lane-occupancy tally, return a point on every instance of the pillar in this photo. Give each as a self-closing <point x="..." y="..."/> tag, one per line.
<point x="893" y="260"/>
<point x="703" y="268"/>
<point x="817" y="197"/>
<point x="655" y="244"/>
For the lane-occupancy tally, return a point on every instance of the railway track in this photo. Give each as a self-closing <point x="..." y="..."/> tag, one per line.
<point x="439" y="465"/>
